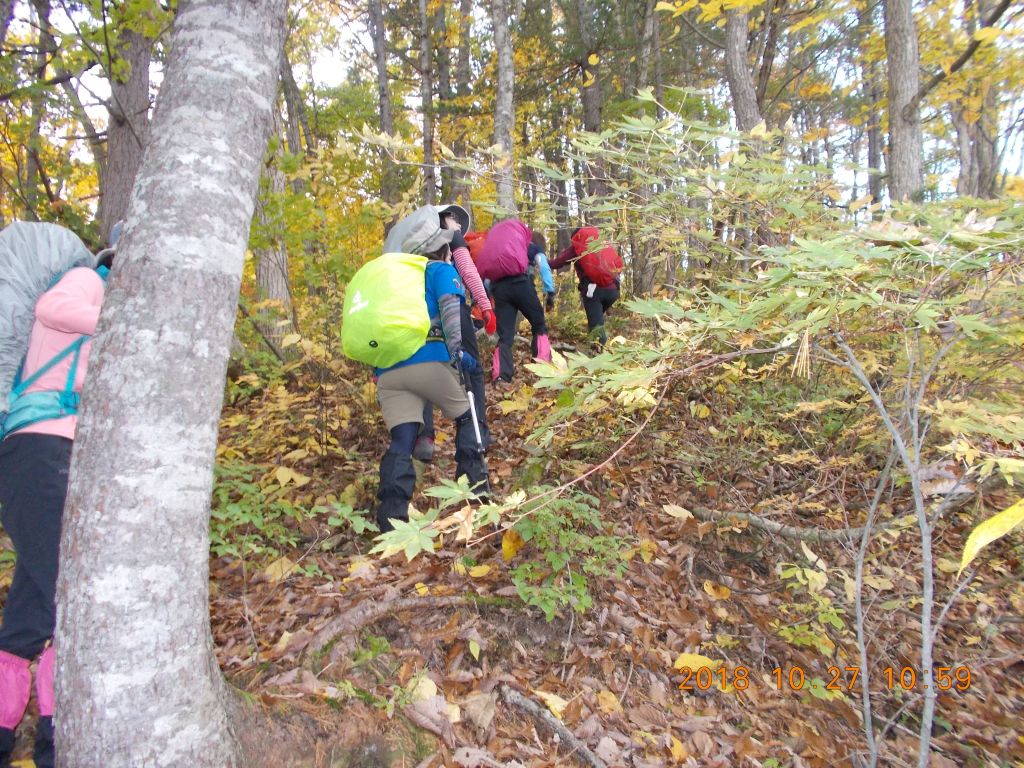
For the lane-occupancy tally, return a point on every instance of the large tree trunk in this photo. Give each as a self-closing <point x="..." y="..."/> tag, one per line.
<point x="427" y="104"/>
<point x="906" y="143"/>
<point x="504" y="107"/>
<point x="137" y="680"/>
<point x="126" y="130"/>
<point x="737" y="72"/>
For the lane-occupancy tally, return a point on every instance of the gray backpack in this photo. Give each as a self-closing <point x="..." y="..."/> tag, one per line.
<point x="33" y="256"/>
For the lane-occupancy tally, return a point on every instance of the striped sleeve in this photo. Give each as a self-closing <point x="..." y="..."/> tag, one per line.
<point x="471" y="278"/>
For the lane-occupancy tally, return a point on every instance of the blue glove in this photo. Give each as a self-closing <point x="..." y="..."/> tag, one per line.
<point x="467" y="361"/>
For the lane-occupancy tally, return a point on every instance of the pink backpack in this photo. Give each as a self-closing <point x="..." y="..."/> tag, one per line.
<point x="504" y="251"/>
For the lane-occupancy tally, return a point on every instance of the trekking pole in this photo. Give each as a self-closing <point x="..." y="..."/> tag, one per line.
<point x="472" y="408"/>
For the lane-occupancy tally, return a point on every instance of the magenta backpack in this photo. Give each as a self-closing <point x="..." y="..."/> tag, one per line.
<point x="504" y="251"/>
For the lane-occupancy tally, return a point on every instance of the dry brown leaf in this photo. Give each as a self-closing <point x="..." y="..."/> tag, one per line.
<point x="480" y="709"/>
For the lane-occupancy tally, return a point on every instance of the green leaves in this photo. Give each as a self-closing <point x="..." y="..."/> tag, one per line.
<point x="409" y="537"/>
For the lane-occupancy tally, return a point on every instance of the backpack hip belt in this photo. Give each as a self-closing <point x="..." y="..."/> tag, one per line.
<point x="27" y="408"/>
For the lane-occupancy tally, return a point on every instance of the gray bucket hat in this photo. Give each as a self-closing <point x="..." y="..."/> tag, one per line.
<point x="419" y="232"/>
<point x="460" y="213"/>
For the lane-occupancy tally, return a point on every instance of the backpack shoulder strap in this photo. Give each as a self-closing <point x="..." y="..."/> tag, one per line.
<point x="74" y="347"/>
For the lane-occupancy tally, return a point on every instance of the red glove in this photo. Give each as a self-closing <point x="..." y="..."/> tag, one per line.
<point x="490" y="322"/>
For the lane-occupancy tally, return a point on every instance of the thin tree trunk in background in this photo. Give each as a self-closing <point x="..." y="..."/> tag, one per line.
<point x="445" y="92"/>
<point x="427" y="105"/>
<point x="504" y="107"/>
<point x="590" y="91"/>
<point x="906" y="143"/>
<point x="977" y="131"/>
<point x="737" y="71"/>
<point x="773" y="10"/>
<point x="558" y="188"/>
<point x="646" y="44"/>
<point x="298" y="122"/>
<point x="34" y="174"/>
<point x="461" y="183"/>
<point x="127" y="129"/>
<point x="6" y="15"/>
<point x="388" y="178"/>
<point x="272" y="283"/>
<point x="145" y="689"/>
<point x="875" y="137"/>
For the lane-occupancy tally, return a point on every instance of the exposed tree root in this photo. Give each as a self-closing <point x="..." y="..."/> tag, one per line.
<point x="370" y="611"/>
<point x="577" y="748"/>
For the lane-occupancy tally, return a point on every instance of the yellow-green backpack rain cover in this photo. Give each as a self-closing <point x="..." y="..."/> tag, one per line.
<point x="385" y="314"/>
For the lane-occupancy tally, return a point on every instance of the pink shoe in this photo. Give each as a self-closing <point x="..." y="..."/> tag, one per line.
<point x="44" y="683"/>
<point x="543" y="348"/>
<point x="15" y="687"/>
<point x="495" y="365"/>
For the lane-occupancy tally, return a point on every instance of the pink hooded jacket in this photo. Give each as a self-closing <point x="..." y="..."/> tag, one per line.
<point x="65" y="312"/>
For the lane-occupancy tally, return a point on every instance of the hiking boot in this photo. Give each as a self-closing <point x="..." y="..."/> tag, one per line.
<point x="424" y="449"/>
<point x="397" y="483"/>
<point x="43" y="754"/>
<point x="469" y="457"/>
<point x="6" y="746"/>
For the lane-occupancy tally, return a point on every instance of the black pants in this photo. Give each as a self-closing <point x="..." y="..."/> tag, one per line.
<point x="513" y="295"/>
<point x="33" y="486"/>
<point x="476" y="381"/>
<point x="595" y="306"/>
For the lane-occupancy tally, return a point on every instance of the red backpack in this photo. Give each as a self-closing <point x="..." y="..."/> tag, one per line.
<point x="504" y="250"/>
<point x="601" y="266"/>
<point x="475" y="242"/>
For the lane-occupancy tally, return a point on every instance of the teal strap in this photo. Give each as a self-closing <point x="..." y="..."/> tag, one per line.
<point x="76" y="346"/>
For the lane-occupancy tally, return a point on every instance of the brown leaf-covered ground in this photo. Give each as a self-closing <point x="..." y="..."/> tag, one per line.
<point x="691" y="586"/>
<point x="420" y="664"/>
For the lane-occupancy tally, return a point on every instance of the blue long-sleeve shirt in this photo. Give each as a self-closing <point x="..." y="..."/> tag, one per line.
<point x="536" y="256"/>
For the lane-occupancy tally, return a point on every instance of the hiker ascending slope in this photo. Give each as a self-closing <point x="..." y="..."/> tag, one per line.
<point x="598" y="268"/>
<point x="536" y="255"/>
<point x="456" y="218"/>
<point x="431" y="372"/>
<point x="38" y="429"/>
<point x="504" y="260"/>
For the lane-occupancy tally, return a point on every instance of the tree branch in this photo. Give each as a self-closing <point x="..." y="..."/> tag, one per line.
<point x="964" y="57"/>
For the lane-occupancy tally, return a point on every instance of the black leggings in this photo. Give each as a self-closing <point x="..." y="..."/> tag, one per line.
<point x="513" y="295"/>
<point x="33" y="486"/>
<point x="595" y="306"/>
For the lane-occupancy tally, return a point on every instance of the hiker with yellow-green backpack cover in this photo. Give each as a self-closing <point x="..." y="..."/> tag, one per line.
<point x="402" y="315"/>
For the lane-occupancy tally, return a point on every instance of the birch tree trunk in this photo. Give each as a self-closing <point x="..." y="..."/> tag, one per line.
<point x="737" y="72"/>
<point x="504" y="107"/>
<point x="137" y="680"/>
<point x="127" y="127"/>
<point x="906" y="143"/>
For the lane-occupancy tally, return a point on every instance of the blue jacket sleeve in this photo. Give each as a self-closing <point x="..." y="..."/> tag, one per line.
<point x="545" y="273"/>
